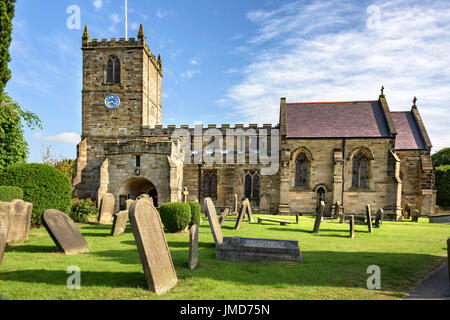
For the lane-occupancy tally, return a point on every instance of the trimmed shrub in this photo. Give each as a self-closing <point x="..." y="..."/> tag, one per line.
<point x="8" y="194"/>
<point x="175" y="216"/>
<point x="44" y="186"/>
<point x="82" y="209"/>
<point x="196" y="212"/>
<point x="443" y="186"/>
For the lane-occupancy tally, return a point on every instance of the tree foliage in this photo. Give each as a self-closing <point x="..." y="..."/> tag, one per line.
<point x="443" y="186"/>
<point x="441" y="158"/>
<point x="13" y="146"/>
<point x="66" y="166"/>
<point x="6" y="15"/>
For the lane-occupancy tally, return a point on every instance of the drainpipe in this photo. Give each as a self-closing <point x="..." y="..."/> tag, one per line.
<point x="343" y="171"/>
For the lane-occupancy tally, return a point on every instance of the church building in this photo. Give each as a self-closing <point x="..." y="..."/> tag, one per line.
<point x="354" y="152"/>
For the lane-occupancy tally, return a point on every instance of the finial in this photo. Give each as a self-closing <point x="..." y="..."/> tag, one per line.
<point x="85" y="39"/>
<point x="382" y="90"/>
<point x="141" y="34"/>
<point x="415" y="102"/>
<point x="86" y="32"/>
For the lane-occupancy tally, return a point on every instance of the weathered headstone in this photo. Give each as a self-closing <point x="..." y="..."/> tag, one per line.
<point x="5" y="207"/>
<point x="213" y="222"/>
<point x="369" y="218"/>
<point x="297" y="219"/>
<point x="152" y="246"/>
<point x="352" y="227"/>
<point x="106" y="209"/>
<point x="223" y="216"/>
<point x="415" y="216"/>
<point x="64" y="232"/>
<point x="129" y="203"/>
<point x="241" y="216"/>
<point x="379" y="218"/>
<point x="19" y="221"/>
<point x="120" y="223"/>
<point x="249" y="210"/>
<point x="193" y="247"/>
<point x="185" y="194"/>
<point x="235" y="206"/>
<point x="319" y="217"/>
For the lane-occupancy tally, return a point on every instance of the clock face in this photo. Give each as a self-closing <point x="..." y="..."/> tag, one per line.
<point x="112" y="102"/>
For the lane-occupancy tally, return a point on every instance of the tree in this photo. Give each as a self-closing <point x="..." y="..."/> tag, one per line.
<point x="66" y="166"/>
<point x="6" y="16"/>
<point x="13" y="146"/>
<point x="441" y="158"/>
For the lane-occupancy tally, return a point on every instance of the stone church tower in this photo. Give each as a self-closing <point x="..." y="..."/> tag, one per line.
<point x="121" y="98"/>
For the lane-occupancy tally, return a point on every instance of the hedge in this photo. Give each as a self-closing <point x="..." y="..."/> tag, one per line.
<point x="8" y="194"/>
<point x="175" y="216"/>
<point x="443" y="186"/>
<point x="82" y="209"/>
<point x="196" y="212"/>
<point x="44" y="186"/>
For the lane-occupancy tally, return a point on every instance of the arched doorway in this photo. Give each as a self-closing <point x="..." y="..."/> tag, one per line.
<point x="135" y="187"/>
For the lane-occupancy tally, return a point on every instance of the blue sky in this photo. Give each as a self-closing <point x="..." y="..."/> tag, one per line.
<point x="231" y="61"/>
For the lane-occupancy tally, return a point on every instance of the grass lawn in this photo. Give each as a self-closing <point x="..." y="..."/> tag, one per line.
<point x="334" y="267"/>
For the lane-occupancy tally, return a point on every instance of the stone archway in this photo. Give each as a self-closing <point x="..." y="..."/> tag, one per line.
<point x="135" y="187"/>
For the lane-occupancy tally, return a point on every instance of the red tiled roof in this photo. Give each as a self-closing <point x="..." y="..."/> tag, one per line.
<point x="349" y="119"/>
<point x="408" y="132"/>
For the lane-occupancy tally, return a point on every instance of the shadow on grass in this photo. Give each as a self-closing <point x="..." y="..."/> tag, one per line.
<point x="32" y="249"/>
<point x="399" y="271"/>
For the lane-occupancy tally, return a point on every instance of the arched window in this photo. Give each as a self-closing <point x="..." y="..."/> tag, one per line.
<point x="113" y="70"/>
<point x="210" y="184"/>
<point x="251" y="185"/>
<point x="301" y="170"/>
<point x="359" y="171"/>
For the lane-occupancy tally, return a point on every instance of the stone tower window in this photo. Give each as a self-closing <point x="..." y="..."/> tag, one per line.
<point x="359" y="171"/>
<point x="301" y="171"/>
<point x="113" y="70"/>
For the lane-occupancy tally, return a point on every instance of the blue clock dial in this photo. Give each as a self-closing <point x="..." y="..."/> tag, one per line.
<point x="112" y="102"/>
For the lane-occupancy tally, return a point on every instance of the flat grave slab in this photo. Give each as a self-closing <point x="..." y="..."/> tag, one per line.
<point x="442" y="218"/>
<point x="281" y="222"/>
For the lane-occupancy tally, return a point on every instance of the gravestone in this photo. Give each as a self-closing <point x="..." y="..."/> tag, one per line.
<point x="247" y="249"/>
<point x="5" y="207"/>
<point x="379" y="218"/>
<point x="185" y="194"/>
<point x="214" y="222"/>
<point x="106" y="209"/>
<point x="223" y="216"/>
<point x="337" y="207"/>
<point x="297" y="219"/>
<point x="193" y="247"/>
<point x="319" y="217"/>
<point x="241" y="216"/>
<point x="64" y="232"/>
<point x="369" y="218"/>
<point x="120" y="223"/>
<point x="129" y="203"/>
<point x="19" y="221"/>
<point x="235" y="206"/>
<point x="152" y="246"/>
<point x="249" y="210"/>
<point x="415" y="216"/>
<point x="352" y="227"/>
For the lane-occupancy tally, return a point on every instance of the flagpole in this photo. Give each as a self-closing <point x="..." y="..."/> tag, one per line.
<point x="126" y="19"/>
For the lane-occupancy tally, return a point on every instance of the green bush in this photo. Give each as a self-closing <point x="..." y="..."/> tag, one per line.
<point x="441" y="158"/>
<point x="44" y="186"/>
<point x="196" y="212"/>
<point x="175" y="216"/>
<point x="82" y="209"/>
<point x="443" y="186"/>
<point x="8" y="194"/>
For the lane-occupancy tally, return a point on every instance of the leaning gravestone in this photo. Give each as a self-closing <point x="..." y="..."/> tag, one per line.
<point x="223" y="216"/>
<point x="129" y="203"/>
<point x="352" y="227"/>
<point x="319" y="217"/>
<point x="249" y="210"/>
<point x="247" y="249"/>
<point x="415" y="216"/>
<point x="120" y="223"/>
<point x="64" y="232"/>
<point x="19" y="221"/>
<point x="241" y="216"/>
<point x="4" y="227"/>
<point x="152" y="246"/>
<point x="369" y="218"/>
<point x="379" y="218"/>
<point x="106" y="209"/>
<point x="193" y="247"/>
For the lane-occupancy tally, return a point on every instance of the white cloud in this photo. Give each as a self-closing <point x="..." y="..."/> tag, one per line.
<point x="62" y="138"/>
<point x="189" y="74"/>
<point x="325" y="52"/>
<point x="115" y="18"/>
<point x="98" y="4"/>
<point x="164" y="13"/>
